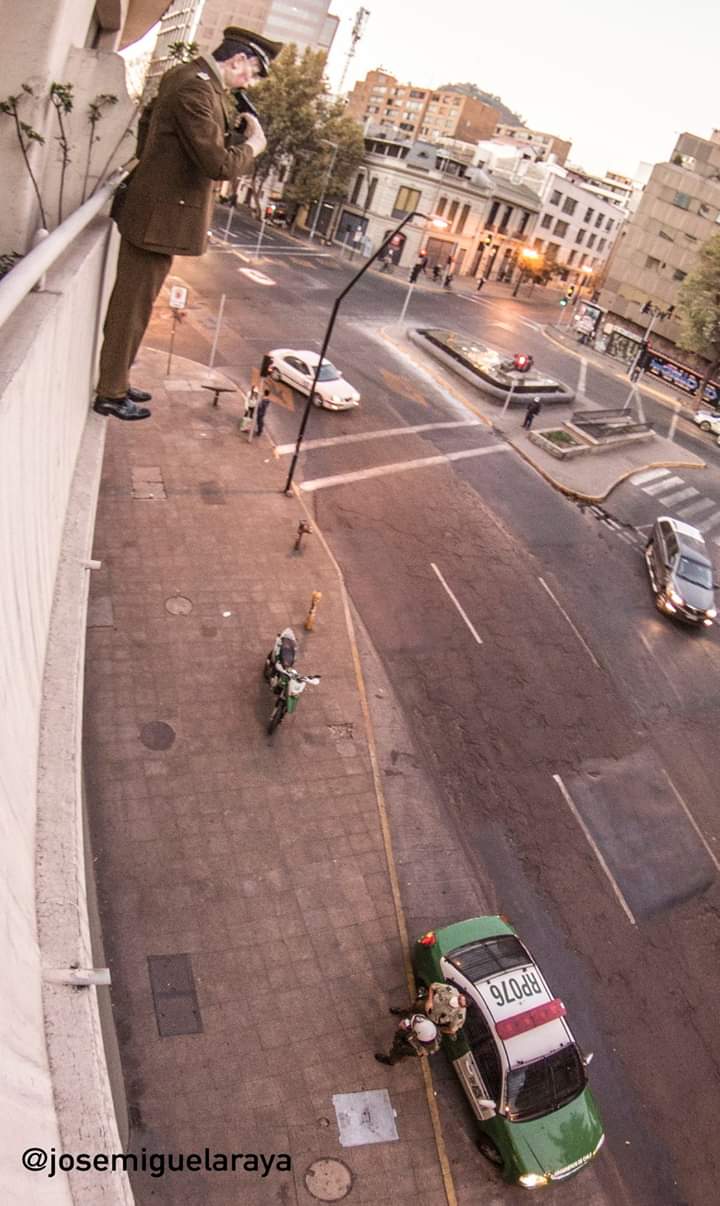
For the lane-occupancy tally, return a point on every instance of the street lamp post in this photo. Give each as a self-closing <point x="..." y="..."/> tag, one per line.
<point x="326" y="181"/>
<point x="328" y="332"/>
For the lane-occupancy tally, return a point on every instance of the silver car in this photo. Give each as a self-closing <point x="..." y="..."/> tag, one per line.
<point x="681" y="572"/>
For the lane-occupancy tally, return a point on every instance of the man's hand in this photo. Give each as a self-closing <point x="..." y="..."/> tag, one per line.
<point x="254" y="136"/>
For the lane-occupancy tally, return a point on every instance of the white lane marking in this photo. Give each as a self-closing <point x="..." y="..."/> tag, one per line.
<point x="680" y="495"/>
<point x="692" y="821"/>
<point x="528" y="322"/>
<point x="504" y="325"/>
<point x="259" y="277"/>
<point x="596" y="850"/>
<point x="706" y="524"/>
<point x="648" y="476"/>
<point x="660" y="663"/>
<point x="455" y="600"/>
<point x="582" y="376"/>
<point x="696" y="507"/>
<point x="716" y="539"/>
<point x="340" y="479"/>
<point x="657" y="487"/>
<point x="357" y="437"/>
<point x="579" y="636"/>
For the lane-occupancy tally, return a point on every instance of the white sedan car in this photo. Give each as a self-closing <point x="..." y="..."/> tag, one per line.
<point x="298" y="370"/>
<point x="708" y="421"/>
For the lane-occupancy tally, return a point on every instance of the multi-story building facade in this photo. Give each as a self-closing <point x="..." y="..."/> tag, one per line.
<point x="381" y="103"/>
<point x="533" y="144"/>
<point x="679" y="211"/>
<point x="177" y="24"/>
<point x="397" y="177"/>
<point x="306" y="23"/>
<point x="576" y="227"/>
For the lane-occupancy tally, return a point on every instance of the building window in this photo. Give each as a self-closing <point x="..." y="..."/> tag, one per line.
<point x="601" y="244"/>
<point x="682" y="200"/>
<point x="493" y="213"/>
<point x="591" y="240"/>
<point x="406" y="201"/>
<point x="588" y="215"/>
<point x="580" y="235"/>
<point x="371" y="192"/>
<point x="662" y="234"/>
<point x="546" y="221"/>
<point x="560" y="229"/>
<point x="523" y="222"/>
<point x="571" y="257"/>
<point x="679" y="275"/>
<point x="599" y="220"/>
<point x="555" y="197"/>
<point x="552" y="250"/>
<point x="464" y="215"/>
<point x="609" y="224"/>
<point x="356" y="190"/>
<point x="538" y="244"/>
<point x="651" y="262"/>
<point x="502" y="228"/>
<point x="569" y="206"/>
<point x="452" y="211"/>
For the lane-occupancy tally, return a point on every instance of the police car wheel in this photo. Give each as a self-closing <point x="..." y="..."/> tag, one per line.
<point x="317" y="400"/>
<point x="704" y="426"/>
<point x="488" y="1149"/>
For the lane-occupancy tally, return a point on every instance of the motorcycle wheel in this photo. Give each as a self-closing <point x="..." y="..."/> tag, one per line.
<point x="276" y="718"/>
<point x="267" y="669"/>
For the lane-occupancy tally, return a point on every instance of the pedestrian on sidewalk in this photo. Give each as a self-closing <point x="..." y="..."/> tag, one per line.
<point x="261" y="410"/>
<point x="416" y="1036"/>
<point x="187" y="141"/>
<point x="442" y="1003"/>
<point x="436" y="272"/>
<point x="480" y="283"/>
<point x="533" y="409"/>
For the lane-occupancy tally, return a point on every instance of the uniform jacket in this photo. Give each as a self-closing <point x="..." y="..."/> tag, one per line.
<point x="169" y="200"/>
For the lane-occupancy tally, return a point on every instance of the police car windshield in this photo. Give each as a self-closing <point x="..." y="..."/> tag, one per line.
<point x="544" y="1086"/>
<point x="695" y="571"/>
<point x="328" y="372"/>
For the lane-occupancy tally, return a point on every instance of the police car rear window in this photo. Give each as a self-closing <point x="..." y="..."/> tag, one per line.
<point x="478" y="960"/>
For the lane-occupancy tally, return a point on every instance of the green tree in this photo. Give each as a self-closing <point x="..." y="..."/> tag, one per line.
<point x="296" y="113"/>
<point x="698" y="309"/>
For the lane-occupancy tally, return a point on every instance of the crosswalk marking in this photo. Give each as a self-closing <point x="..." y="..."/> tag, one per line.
<point x="680" y="495"/>
<point x="656" y="487"/>
<point x="358" y="475"/>
<point x="648" y="476"/>
<point x="696" y="507"/>
<point x="706" y="524"/>
<point x="358" y="436"/>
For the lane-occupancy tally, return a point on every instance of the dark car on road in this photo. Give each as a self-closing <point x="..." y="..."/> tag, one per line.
<point x="681" y="572"/>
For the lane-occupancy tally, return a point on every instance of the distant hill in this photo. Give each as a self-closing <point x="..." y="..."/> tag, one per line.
<point x="506" y="115"/>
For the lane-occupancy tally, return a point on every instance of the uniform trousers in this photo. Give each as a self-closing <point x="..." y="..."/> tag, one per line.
<point x="140" y="276"/>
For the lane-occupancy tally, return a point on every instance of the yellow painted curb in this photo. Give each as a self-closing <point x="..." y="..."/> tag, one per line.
<point x="443" y="1159"/>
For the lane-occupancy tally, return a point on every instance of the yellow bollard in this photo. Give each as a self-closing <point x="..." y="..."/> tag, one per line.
<point x="310" y="619"/>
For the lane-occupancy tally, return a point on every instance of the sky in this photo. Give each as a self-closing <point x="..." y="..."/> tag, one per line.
<point x="619" y="78"/>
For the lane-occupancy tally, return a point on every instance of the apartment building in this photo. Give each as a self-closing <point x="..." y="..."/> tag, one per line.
<point x="397" y="177"/>
<point x="576" y="227"/>
<point x="306" y="23"/>
<point x="177" y="24"/>
<point x="533" y="144"/>
<point x="381" y="103"/>
<point x="679" y="211"/>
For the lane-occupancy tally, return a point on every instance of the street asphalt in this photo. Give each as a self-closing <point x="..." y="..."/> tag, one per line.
<point x="541" y="742"/>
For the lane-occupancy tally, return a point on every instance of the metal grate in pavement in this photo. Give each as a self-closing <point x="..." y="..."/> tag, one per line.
<point x="174" y="997"/>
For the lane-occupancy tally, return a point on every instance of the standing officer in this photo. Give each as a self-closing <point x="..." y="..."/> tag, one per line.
<point x="167" y="208"/>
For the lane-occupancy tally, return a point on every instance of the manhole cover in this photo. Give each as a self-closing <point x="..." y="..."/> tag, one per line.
<point x="157" y="735"/>
<point x="178" y="605"/>
<point x="328" y="1180"/>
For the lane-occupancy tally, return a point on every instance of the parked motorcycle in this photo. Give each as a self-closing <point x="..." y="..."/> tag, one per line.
<point x="285" y="682"/>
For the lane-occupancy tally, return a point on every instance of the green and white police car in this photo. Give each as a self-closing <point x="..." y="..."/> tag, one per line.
<point x="522" y="1071"/>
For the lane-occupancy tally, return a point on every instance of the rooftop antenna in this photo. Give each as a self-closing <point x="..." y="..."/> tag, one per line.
<point x="361" y="17"/>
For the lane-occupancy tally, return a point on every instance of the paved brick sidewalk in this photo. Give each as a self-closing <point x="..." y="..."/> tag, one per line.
<point x="259" y="858"/>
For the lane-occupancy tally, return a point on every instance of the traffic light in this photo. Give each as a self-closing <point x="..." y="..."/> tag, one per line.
<point x="563" y="302"/>
<point x="570" y="292"/>
<point x="522" y="362"/>
<point x="647" y="308"/>
<point x="488" y="240"/>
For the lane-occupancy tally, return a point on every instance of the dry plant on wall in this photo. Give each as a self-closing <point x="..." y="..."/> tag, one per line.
<point x="26" y="135"/>
<point x="95" y="114"/>
<point x="61" y="97"/>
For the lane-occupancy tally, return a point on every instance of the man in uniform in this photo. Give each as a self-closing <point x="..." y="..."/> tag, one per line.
<point x="442" y="1003"/>
<point x="188" y="145"/>
<point x="415" y="1036"/>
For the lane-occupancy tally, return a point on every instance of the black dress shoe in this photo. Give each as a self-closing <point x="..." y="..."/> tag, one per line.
<point x="383" y="1059"/>
<point x="121" y="408"/>
<point x="138" y="395"/>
